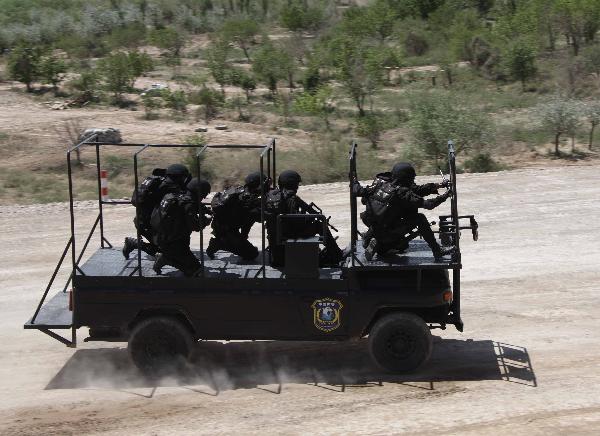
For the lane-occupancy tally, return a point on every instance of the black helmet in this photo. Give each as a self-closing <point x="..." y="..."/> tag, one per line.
<point x="198" y="188"/>
<point x="179" y="174"/>
<point x="404" y="173"/>
<point x="289" y="179"/>
<point x="252" y="180"/>
<point x="177" y="170"/>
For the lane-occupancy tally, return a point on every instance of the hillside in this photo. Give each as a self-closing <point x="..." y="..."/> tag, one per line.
<point x="515" y="84"/>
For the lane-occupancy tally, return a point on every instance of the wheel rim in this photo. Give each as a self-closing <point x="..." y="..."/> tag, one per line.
<point x="160" y="349"/>
<point x="401" y="345"/>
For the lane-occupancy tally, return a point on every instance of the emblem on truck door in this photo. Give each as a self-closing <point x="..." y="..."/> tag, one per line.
<point x="327" y="314"/>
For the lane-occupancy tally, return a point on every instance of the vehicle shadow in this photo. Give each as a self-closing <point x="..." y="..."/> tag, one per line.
<point x="218" y="367"/>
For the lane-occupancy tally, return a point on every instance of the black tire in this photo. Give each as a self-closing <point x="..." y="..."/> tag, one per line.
<point x="160" y="346"/>
<point x="400" y="342"/>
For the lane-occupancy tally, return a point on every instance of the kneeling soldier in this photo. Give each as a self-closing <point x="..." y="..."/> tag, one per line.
<point x="147" y="197"/>
<point x="173" y="221"/>
<point x="284" y="200"/>
<point x="392" y="204"/>
<point x="235" y="211"/>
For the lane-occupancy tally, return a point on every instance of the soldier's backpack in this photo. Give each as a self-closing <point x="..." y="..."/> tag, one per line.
<point x="379" y="203"/>
<point x="166" y="219"/>
<point x="147" y="196"/>
<point x="225" y="204"/>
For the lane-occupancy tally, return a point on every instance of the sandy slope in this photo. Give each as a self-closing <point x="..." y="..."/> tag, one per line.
<point x="526" y="364"/>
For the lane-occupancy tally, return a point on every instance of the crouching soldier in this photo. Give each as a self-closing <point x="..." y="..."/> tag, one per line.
<point x="392" y="204"/>
<point x="173" y="221"/>
<point x="147" y="197"/>
<point x="235" y="211"/>
<point x="284" y="200"/>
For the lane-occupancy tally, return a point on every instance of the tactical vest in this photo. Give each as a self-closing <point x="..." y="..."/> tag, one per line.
<point x="147" y="196"/>
<point x="168" y="218"/>
<point x="379" y="203"/>
<point x="224" y="204"/>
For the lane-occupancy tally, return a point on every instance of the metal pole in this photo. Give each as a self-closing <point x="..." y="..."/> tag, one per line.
<point x="198" y="167"/>
<point x="353" y="206"/>
<point x="274" y="165"/>
<point x="262" y="215"/>
<point x="99" y="196"/>
<point x="72" y="212"/>
<point x="137" y="209"/>
<point x="455" y="220"/>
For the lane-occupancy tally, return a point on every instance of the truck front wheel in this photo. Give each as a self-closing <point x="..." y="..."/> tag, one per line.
<point x="160" y="345"/>
<point x="400" y="342"/>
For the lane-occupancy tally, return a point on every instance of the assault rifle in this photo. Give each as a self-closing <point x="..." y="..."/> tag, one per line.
<point x="313" y="209"/>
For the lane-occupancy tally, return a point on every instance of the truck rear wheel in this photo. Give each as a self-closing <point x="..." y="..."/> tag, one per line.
<point x="160" y="345"/>
<point x="400" y="342"/>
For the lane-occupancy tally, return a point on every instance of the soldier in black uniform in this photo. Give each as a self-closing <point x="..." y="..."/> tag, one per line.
<point x="174" y="220"/>
<point x="392" y="201"/>
<point x="147" y="197"/>
<point x="284" y="200"/>
<point x="235" y="211"/>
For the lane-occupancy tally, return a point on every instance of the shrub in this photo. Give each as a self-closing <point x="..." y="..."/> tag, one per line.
<point x="560" y="116"/>
<point x="24" y="65"/>
<point x="438" y="117"/>
<point x="481" y="163"/>
<point x="176" y="101"/>
<point x="370" y="126"/>
<point x="52" y="70"/>
<point x="210" y="100"/>
<point x="86" y="86"/>
<point x="151" y="106"/>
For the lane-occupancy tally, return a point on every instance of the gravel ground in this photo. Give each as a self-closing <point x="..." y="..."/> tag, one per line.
<point x="527" y="362"/>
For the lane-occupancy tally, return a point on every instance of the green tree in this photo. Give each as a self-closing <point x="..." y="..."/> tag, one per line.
<point x="244" y="80"/>
<point x="151" y="106"/>
<point x="579" y="20"/>
<point x="169" y="39"/>
<point x="438" y="117"/>
<point x="381" y="19"/>
<point x="592" y="61"/>
<point x="176" y="101"/>
<point x="317" y="103"/>
<point x="117" y="73"/>
<point x="86" y="86"/>
<point x="210" y="100"/>
<point x="591" y="111"/>
<point x="560" y="116"/>
<point x="370" y="126"/>
<point x="52" y="71"/>
<point x="217" y="63"/>
<point x="241" y="32"/>
<point x="268" y="66"/>
<point x="358" y="67"/>
<point x="520" y="61"/>
<point x="141" y="64"/>
<point x="24" y="65"/>
<point x="298" y="15"/>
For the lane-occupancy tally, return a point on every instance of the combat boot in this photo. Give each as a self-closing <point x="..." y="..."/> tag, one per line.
<point x="159" y="263"/>
<point x="439" y="252"/>
<point x="129" y="245"/>
<point x="370" y="250"/>
<point x="366" y="238"/>
<point x="212" y="248"/>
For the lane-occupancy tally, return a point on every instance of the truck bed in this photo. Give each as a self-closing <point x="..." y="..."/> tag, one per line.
<point x="417" y="256"/>
<point x="109" y="262"/>
<point x="54" y="314"/>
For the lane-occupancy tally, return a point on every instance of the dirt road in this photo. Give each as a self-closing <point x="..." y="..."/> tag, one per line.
<point x="527" y="363"/>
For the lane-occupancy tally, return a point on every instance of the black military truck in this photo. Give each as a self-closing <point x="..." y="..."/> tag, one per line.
<point x="394" y="301"/>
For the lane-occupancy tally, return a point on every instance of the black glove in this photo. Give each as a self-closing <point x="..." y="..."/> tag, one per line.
<point x="445" y="184"/>
<point x="435" y="202"/>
